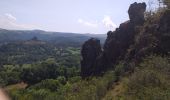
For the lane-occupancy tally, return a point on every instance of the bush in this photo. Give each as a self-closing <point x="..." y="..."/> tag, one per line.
<point x="49" y="84"/>
<point x="74" y="79"/>
<point x="150" y="81"/>
<point x="62" y="80"/>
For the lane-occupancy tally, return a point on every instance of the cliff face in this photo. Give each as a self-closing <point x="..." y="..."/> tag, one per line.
<point x="131" y="41"/>
<point x="118" y="42"/>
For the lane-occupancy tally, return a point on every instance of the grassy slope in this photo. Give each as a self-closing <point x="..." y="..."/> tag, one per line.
<point x="150" y="81"/>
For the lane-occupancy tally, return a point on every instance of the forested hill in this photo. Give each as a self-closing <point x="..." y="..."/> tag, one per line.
<point x="58" y="38"/>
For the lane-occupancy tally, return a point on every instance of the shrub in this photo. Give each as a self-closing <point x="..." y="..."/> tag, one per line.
<point x="50" y="84"/>
<point x="150" y="81"/>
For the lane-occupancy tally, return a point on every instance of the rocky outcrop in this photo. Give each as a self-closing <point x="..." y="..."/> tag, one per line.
<point x="136" y="13"/>
<point x="130" y="42"/>
<point x="91" y="49"/>
<point x="116" y="45"/>
<point x="164" y="27"/>
<point x="118" y="42"/>
<point x="153" y="39"/>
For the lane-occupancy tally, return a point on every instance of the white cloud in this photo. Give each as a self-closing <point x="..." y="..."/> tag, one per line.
<point x="90" y="24"/>
<point x="108" y="23"/>
<point x="99" y="26"/>
<point x="80" y="20"/>
<point x="8" y="21"/>
<point x="10" y="17"/>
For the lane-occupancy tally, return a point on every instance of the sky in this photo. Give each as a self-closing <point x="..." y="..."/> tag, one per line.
<point x="76" y="16"/>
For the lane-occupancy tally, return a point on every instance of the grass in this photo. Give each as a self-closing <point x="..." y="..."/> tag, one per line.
<point x="17" y="86"/>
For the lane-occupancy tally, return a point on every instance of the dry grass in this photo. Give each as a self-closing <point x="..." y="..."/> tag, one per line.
<point x="21" y="85"/>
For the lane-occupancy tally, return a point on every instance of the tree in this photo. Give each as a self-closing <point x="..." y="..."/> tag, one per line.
<point x="167" y="2"/>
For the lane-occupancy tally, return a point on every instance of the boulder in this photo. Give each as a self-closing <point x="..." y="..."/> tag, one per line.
<point x="91" y="49"/>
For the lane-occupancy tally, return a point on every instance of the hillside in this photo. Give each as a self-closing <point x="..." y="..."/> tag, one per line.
<point x="137" y="52"/>
<point x="58" y="38"/>
<point x="26" y="47"/>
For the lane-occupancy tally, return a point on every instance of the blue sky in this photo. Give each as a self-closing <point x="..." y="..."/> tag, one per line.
<point x="79" y="16"/>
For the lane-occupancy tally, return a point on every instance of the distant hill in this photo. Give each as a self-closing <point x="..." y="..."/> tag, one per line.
<point x="19" y="47"/>
<point x="58" y="38"/>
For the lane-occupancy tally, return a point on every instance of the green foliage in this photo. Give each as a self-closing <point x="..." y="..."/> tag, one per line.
<point x="51" y="84"/>
<point x="45" y="79"/>
<point x="74" y="79"/>
<point x="9" y="74"/>
<point x="71" y="72"/>
<point x="50" y="89"/>
<point x="119" y="69"/>
<point x="65" y="64"/>
<point x="38" y="72"/>
<point x="150" y="81"/>
<point x="21" y="53"/>
<point x="62" y="80"/>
